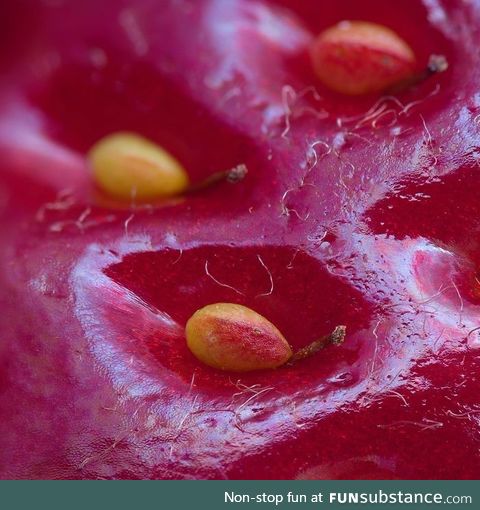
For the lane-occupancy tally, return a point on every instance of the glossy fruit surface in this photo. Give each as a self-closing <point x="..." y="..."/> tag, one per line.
<point x="362" y="212"/>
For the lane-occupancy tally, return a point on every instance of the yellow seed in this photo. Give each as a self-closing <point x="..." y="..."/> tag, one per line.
<point x="235" y="338"/>
<point x="127" y="166"/>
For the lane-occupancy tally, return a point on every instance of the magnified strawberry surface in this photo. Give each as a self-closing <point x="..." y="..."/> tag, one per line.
<point x="360" y="211"/>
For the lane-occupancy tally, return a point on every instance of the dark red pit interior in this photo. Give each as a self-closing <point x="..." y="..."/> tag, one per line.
<point x="287" y="286"/>
<point x="445" y="209"/>
<point x="139" y="99"/>
<point x="409" y="19"/>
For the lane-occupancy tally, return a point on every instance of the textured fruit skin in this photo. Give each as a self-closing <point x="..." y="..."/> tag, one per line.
<point x="235" y="338"/>
<point x="96" y="380"/>
<point x="129" y="167"/>
<point x="357" y="57"/>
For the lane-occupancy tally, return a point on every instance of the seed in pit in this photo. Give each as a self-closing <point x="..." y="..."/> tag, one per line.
<point x="127" y="166"/>
<point x="358" y="57"/>
<point x="235" y="338"/>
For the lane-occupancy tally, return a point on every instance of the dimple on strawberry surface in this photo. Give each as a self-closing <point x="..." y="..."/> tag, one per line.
<point x="357" y="211"/>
